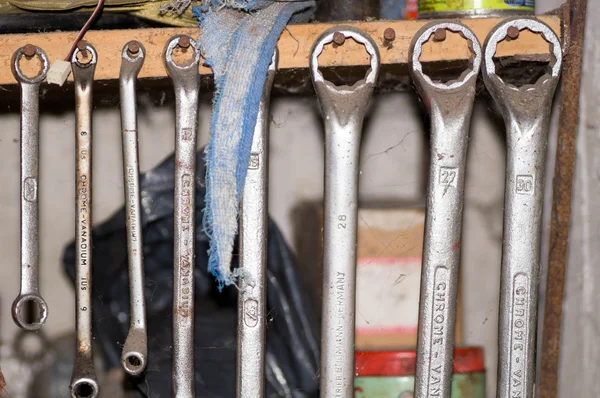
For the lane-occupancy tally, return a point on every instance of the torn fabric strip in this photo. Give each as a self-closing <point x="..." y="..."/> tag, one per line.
<point x="237" y="41"/>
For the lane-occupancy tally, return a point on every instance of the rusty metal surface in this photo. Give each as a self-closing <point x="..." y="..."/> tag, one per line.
<point x="574" y="13"/>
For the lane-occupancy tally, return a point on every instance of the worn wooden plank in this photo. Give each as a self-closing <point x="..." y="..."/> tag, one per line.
<point x="294" y="46"/>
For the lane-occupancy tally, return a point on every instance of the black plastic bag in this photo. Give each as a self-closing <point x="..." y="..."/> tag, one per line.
<point x="292" y="351"/>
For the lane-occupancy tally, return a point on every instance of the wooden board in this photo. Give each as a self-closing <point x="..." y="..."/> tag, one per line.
<point x="294" y="46"/>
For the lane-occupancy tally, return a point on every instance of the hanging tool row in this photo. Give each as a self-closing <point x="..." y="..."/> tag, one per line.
<point x="526" y="111"/>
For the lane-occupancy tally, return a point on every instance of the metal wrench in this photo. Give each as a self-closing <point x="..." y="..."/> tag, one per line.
<point x="30" y="87"/>
<point x="450" y="107"/>
<point x="135" y="350"/>
<point x="186" y="80"/>
<point x="253" y="258"/>
<point x="84" y="382"/>
<point x="526" y="111"/>
<point x="343" y="109"/>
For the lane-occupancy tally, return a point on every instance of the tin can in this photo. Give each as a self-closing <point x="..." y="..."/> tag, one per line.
<point x="474" y="8"/>
<point x="391" y="374"/>
<point x="398" y="9"/>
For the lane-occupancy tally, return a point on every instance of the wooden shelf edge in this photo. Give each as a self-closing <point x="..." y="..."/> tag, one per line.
<point x="294" y="46"/>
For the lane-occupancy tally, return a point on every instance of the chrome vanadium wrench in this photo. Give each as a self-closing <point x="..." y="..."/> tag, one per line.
<point x="253" y="260"/>
<point x="343" y="110"/>
<point x="30" y="253"/>
<point x="186" y="80"/>
<point x="135" y="349"/>
<point x="526" y="111"/>
<point x="83" y="381"/>
<point x="450" y="106"/>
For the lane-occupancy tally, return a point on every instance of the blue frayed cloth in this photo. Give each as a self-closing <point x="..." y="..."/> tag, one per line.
<point x="237" y="40"/>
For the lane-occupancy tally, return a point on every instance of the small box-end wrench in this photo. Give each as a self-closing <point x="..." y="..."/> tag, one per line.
<point x="343" y="109"/>
<point x="186" y="81"/>
<point x="30" y="254"/>
<point x="84" y="382"/>
<point x="133" y="358"/>
<point x="450" y="106"/>
<point x="526" y="111"/>
<point x="253" y="259"/>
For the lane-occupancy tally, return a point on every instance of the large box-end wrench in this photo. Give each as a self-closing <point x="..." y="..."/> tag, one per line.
<point x="186" y="81"/>
<point x="254" y="222"/>
<point x="526" y="111"/>
<point x="83" y="381"/>
<point x="133" y="358"/>
<point x="343" y="109"/>
<point x="450" y="107"/>
<point x="30" y="251"/>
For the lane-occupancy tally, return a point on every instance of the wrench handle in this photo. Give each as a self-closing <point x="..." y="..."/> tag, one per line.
<point x="84" y="379"/>
<point x="134" y="356"/>
<point x="526" y="112"/>
<point x="30" y="112"/>
<point x="342" y="146"/>
<point x="343" y="109"/>
<point x="441" y="249"/>
<point x="186" y="81"/>
<point x="253" y="259"/>
<point x="450" y="106"/>
<point x="29" y="188"/>
<point x="520" y="274"/>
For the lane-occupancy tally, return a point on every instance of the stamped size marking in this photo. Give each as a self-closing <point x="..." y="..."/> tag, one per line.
<point x="524" y="184"/>
<point x="187" y="134"/>
<point x="254" y="161"/>
<point x="340" y="298"/>
<point x="30" y="189"/>
<point x="251" y="313"/>
<point x="186" y="242"/>
<point x="83" y="286"/>
<point x="342" y="221"/>
<point x="439" y="315"/>
<point x="448" y="176"/>
<point x="519" y="336"/>
<point x="132" y="201"/>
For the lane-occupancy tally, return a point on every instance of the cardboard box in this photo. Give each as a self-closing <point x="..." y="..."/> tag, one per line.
<point x="390" y="245"/>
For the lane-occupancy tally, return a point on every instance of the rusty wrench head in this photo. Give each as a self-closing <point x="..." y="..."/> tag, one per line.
<point x="84" y="382"/>
<point x="30" y="114"/>
<point x="526" y="111"/>
<point x="135" y="349"/>
<point x="450" y="106"/>
<point x="343" y="109"/>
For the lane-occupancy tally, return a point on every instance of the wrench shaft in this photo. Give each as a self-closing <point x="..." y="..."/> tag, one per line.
<point x="520" y="273"/>
<point x="450" y="107"/>
<point x="526" y="113"/>
<point x="84" y="379"/>
<point x="253" y="248"/>
<point x="343" y="110"/>
<point x="186" y="81"/>
<point x="29" y="188"/>
<point x="30" y="87"/>
<point x="135" y="348"/>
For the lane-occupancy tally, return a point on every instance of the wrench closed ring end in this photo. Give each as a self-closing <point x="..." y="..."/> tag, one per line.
<point x="18" y="73"/>
<point x="18" y="309"/>
<point x="133" y="362"/>
<point x="500" y="32"/>
<point x="360" y="37"/>
<point x="84" y="388"/>
<point x="424" y="35"/>
<point x="135" y="349"/>
<point x="134" y="52"/>
<point x="91" y="50"/>
<point x="173" y="66"/>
